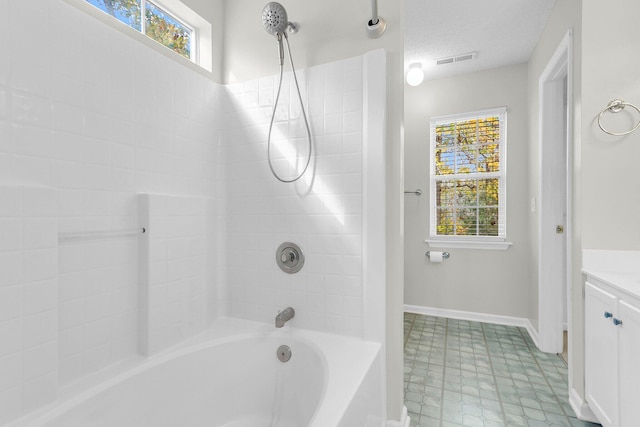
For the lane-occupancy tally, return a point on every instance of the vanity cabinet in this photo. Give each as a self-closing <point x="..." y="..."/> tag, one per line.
<point x="612" y="348"/>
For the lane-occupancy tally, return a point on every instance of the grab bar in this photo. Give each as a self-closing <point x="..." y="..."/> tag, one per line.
<point x="417" y="192"/>
<point x="68" y="237"/>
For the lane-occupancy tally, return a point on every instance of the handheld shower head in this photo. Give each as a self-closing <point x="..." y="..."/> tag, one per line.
<point x="274" y="18"/>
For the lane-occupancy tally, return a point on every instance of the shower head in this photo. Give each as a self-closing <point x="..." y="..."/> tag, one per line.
<point x="274" y="18"/>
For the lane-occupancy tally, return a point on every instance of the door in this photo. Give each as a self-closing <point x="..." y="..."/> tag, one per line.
<point x="601" y="354"/>
<point x="552" y="267"/>
<point x="629" y="336"/>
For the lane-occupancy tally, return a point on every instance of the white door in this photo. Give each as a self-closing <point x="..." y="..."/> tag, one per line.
<point x="601" y="355"/>
<point x="629" y="336"/>
<point x="552" y="269"/>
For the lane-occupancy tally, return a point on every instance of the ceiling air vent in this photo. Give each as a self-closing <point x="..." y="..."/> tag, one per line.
<point x="457" y="58"/>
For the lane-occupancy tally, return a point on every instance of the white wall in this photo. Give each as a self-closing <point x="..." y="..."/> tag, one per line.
<point x="98" y="118"/>
<point x="481" y="281"/>
<point x="610" y="63"/>
<point x="330" y="31"/>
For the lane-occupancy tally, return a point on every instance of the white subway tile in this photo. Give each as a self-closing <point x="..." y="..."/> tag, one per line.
<point x="71" y="341"/>
<point x="39" y="328"/>
<point x="5" y="113"/>
<point x="352" y="142"/>
<point x="72" y="258"/>
<point x="40" y="264"/>
<point x="10" y="336"/>
<point x="124" y="346"/>
<point x="39" y="392"/>
<point x="39" y="202"/>
<point x="11" y="232"/>
<point x="71" y="313"/>
<point x="64" y="116"/>
<point x="71" y="285"/>
<point x="352" y="122"/>
<point x="40" y="296"/>
<point x="10" y="302"/>
<point x="71" y="369"/>
<point x="352" y="101"/>
<point x="31" y="170"/>
<point x="40" y="360"/>
<point x="10" y="404"/>
<point x="67" y="175"/>
<point x="7" y="168"/>
<point x="97" y="307"/>
<point x="30" y="109"/>
<point x="11" y="201"/>
<point x="40" y="233"/>
<point x="6" y="139"/>
<point x="10" y="370"/>
<point x="97" y="333"/>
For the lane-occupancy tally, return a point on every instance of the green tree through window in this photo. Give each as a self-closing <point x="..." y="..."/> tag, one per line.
<point x="158" y="24"/>
<point x="468" y="176"/>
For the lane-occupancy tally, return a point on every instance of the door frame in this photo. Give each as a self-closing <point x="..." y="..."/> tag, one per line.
<point x="550" y="300"/>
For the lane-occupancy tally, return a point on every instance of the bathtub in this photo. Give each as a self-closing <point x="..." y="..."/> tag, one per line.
<point x="230" y="376"/>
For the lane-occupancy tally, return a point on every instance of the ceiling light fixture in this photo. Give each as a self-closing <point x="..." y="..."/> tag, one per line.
<point x="415" y="75"/>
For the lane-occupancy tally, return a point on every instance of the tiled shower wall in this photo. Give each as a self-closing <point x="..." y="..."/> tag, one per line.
<point x="322" y="215"/>
<point x="98" y="118"/>
<point x="28" y="299"/>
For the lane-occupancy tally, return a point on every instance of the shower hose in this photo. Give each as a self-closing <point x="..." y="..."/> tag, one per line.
<point x="273" y="115"/>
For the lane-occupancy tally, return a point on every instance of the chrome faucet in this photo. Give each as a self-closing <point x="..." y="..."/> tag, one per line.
<point x="284" y="316"/>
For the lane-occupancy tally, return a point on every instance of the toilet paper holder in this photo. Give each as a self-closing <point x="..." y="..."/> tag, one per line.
<point x="445" y="255"/>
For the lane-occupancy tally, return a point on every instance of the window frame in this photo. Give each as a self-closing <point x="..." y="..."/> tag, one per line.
<point x="201" y="57"/>
<point x="474" y="242"/>
<point x="194" y="39"/>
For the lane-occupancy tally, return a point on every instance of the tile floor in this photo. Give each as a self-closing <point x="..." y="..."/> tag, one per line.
<point x="460" y="373"/>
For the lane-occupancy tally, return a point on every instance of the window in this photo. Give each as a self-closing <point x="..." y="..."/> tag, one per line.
<point x="468" y="177"/>
<point x="158" y="24"/>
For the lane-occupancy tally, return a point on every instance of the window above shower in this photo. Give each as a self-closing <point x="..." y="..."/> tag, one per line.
<point x="468" y="180"/>
<point x="170" y="23"/>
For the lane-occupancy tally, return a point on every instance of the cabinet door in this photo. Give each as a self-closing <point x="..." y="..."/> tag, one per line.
<point x="601" y="354"/>
<point x="629" y="345"/>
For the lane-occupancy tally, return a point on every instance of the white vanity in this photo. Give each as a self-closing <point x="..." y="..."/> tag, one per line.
<point x="612" y="336"/>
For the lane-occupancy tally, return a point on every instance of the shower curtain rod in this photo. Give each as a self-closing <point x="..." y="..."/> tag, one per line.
<point x="376" y="25"/>
<point x="374" y="12"/>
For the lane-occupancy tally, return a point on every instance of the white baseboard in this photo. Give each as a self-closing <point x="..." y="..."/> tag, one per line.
<point x="580" y="407"/>
<point x="476" y="317"/>
<point x="404" y="420"/>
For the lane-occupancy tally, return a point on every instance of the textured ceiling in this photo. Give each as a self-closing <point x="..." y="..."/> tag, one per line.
<point x="502" y="32"/>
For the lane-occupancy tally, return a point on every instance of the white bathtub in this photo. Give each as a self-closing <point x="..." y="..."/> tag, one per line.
<point x="230" y="376"/>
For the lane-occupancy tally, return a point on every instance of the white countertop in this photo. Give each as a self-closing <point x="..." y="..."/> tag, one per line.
<point x="625" y="282"/>
<point x="618" y="269"/>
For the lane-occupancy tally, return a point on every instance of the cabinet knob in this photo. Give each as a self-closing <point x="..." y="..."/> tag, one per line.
<point x="607" y="314"/>
<point x="617" y="322"/>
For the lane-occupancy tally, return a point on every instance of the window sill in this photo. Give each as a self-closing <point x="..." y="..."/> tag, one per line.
<point x="458" y="244"/>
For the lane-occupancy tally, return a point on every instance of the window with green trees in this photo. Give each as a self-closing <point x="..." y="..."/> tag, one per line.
<point x="157" y="24"/>
<point x="468" y="175"/>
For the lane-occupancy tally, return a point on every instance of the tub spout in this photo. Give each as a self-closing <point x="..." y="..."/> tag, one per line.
<point x="284" y="316"/>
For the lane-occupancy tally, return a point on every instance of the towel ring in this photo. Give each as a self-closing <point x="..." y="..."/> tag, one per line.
<point x="616" y="106"/>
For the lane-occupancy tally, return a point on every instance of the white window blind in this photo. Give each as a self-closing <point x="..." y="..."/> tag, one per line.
<point x="468" y="176"/>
